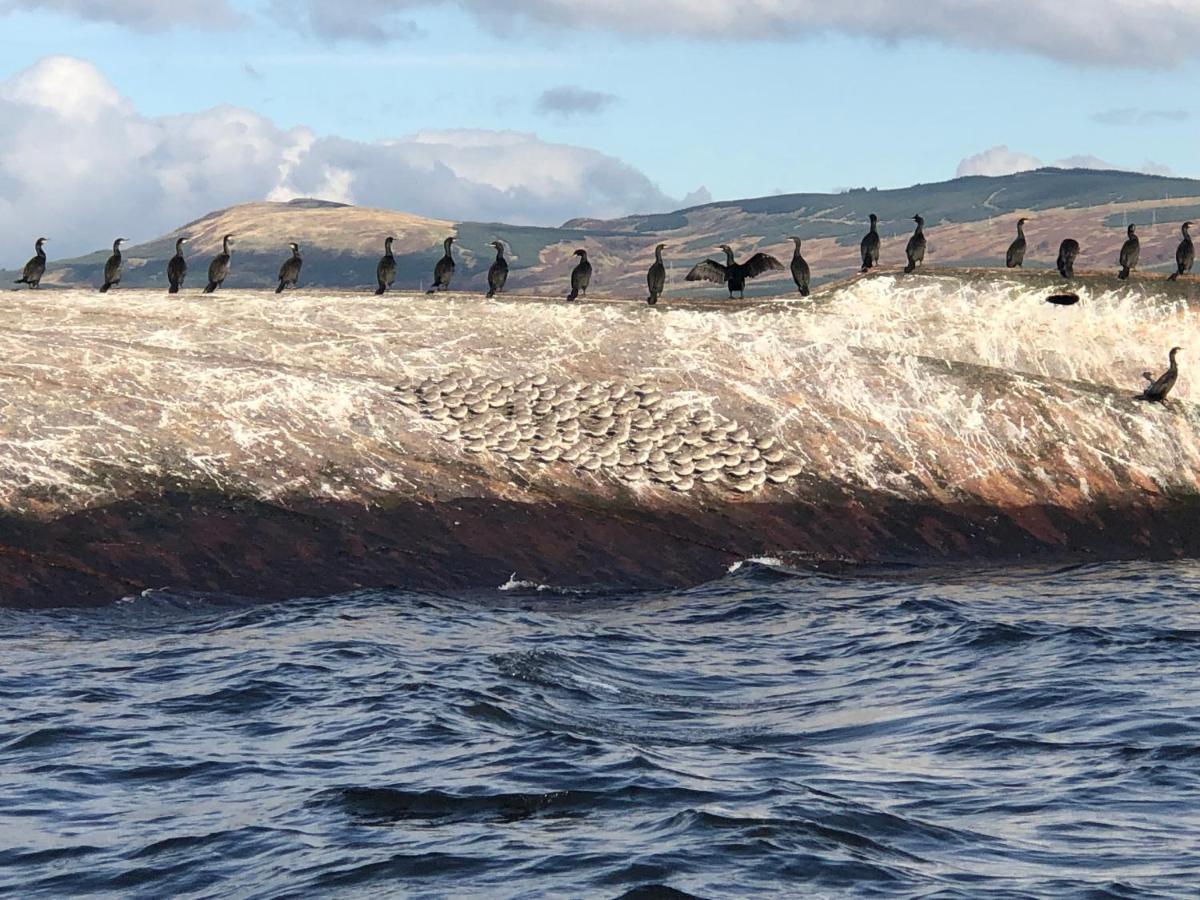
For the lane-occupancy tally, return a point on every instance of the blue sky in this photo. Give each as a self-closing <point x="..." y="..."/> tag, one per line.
<point x="807" y="110"/>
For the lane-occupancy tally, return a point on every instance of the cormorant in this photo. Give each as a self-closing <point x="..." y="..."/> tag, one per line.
<point x="444" y="270"/>
<point x="656" y="278"/>
<point x="870" y="246"/>
<point x="1063" y="299"/>
<point x="218" y="269"/>
<point x="112" y="268"/>
<point x="498" y="273"/>
<point x="1130" y="253"/>
<point x="915" y="251"/>
<point x="800" y="271"/>
<point x="385" y="272"/>
<point x="177" y="268"/>
<point x="581" y="276"/>
<point x="289" y="272"/>
<point x="1068" y="252"/>
<point x="36" y="267"/>
<point x="732" y="273"/>
<point x="1185" y="256"/>
<point x="1016" y="251"/>
<point x="1158" y="390"/>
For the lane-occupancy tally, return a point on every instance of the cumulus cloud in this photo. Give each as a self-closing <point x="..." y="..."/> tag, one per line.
<point x="567" y="101"/>
<point x="79" y="163"/>
<point x="1140" y="33"/>
<point x="1003" y="161"/>
<point x="140" y="15"/>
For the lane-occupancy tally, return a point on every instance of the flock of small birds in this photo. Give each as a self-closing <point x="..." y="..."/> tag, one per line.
<point x="730" y="273"/>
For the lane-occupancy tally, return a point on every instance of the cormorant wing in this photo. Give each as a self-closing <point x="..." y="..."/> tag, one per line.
<point x="709" y="271"/>
<point x="761" y="262"/>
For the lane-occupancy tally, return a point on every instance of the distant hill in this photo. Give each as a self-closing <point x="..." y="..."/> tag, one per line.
<point x="970" y="221"/>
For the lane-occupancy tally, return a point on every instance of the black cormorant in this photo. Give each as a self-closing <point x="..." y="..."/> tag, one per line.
<point x="177" y="268"/>
<point x="801" y="274"/>
<point x="581" y="276"/>
<point x="385" y="272"/>
<point x="656" y="278"/>
<point x="1185" y="256"/>
<point x="289" y="272"/>
<point x="915" y="251"/>
<point x="870" y="246"/>
<point x="1016" y="251"/>
<point x="732" y="273"/>
<point x="218" y="269"/>
<point x="1130" y="253"/>
<point x="1068" y="252"/>
<point x="36" y="267"/>
<point x="112" y="268"/>
<point x="498" y="272"/>
<point x="1158" y="390"/>
<point x="444" y="270"/>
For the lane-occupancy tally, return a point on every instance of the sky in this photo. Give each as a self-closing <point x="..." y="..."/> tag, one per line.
<point x="131" y="117"/>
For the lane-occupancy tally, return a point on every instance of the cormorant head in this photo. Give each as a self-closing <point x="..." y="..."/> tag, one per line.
<point x="580" y="253"/>
<point x="1186" y="226"/>
<point x="388" y="241"/>
<point x="1021" y="222"/>
<point x="796" y="241"/>
<point x="874" y="219"/>
<point x="119" y="241"/>
<point x="660" y="248"/>
<point x="1175" y="350"/>
<point x="41" y="241"/>
<point x="498" y="245"/>
<point x="295" y="247"/>
<point x="1132" y="230"/>
<point x="449" y="241"/>
<point x="918" y="220"/>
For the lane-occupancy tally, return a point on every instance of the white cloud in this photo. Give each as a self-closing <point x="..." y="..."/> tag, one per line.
<point x="80" y="164"/>
<point x="140" y="15"/>
<point x="1003" y="161"/>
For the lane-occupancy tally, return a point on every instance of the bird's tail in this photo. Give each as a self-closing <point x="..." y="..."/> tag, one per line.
<point x="804" y="291"/>
<point x="174" y="289"/>
<point x="910" y="268"/>
<point x="573" y="296"/>
<point x="21" y="281"/>
<point x="432" y="290"/>
<point x="1124" y="273"/>
<point x="104" y="287"/>
<point x="279" y="290"/>
<point x="491" y="294"/>
<point x="379" y="290"/>
<point x="212" y="286"/>
<point x="1175" y="276"/>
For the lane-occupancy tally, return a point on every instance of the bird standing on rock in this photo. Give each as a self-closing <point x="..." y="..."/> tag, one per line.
<point x="36" y="267"/>
<point x="444" y="270"/>
<point x="801" y="273"/>
<point x="498" y="273"/>
<point x="1185" y="256"/>
<point x="1068" y="252"/>
<point x="385" y="272"/>
<point x="915" y="251"/>
<point x="1158" y="390"/>
<point x="112" y="268"/>
<point x="656" y="278"/>
<point x="177" y="268"/>
<point x="734" y="274"/>
<point x="1015" y="258"/>
<point x="1130" y="253"/>
<point x="581" y="277"/>
<point x="218" y="269"/>
<point x="870" y="246"/>
<point x="289" y="272"/>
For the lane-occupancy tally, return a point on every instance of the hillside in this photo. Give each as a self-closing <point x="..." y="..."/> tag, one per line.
<point x="970" y="222"/>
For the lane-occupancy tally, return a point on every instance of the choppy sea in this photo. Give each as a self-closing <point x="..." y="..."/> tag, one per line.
<point x="1017" y="733"/>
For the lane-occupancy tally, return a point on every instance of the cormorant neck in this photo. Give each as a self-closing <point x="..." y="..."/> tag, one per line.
<point x="658" y="254"/>
<point x="729" y="257"/>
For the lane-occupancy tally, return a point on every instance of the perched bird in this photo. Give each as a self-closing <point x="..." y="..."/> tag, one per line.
<point x="800" y="271"/>
<point x="1185" y="256"/>
<point x="732" y="273"/>
<point x="177" y="268"/>
<point x="1068" y="252"/>
<point x="444" y="270"/>
<point x="36" y="267"/>
<point x="915" y="251"/>
<point x="581" y="276"/>
<point x="1130" y="253"/>
<point x="498" y="273"/>
<point x="870" y="246"/>
<point x="1063" y="299"/>
<point x="112" y="268"/>
<point x="656" y="278"/>
<point x="289" y="272"/>
<point x="218" y="269"/>
<point x="1016" y="251"/>
<point x="1158" y="390"/>
<point x="385" y="272"/>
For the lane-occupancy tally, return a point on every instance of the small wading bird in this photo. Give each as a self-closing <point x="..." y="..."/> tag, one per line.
<point x="581" y="277"/>
<point x="444" y="270"/>
<point x="112" y="268"/>
<point x="1068" y="252"/>
<point x="177" y="268"/>
<point x="870" y="246"/>
<point x="1015" y="258"/>
<point x="915" y="251"/>
<point x="1158" y="390"/>
<point x="289" y="272"/>
<point x="732" y="273"/>
<point x="656" y="278"/>
<point x="385" y="272"/>
<point x="218" y="269"/>
<point x="1131" y="251"/>
<point x="801" y="274"/>
<point x="36" y="267"/>
<point x="498" y="273"/>
<point x="1185" y="256"/>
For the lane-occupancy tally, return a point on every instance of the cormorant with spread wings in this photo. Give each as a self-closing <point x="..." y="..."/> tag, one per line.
<point x="732" y="273"/>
